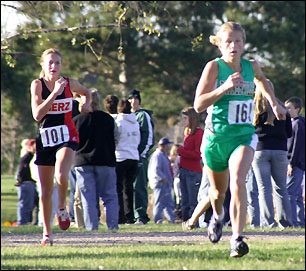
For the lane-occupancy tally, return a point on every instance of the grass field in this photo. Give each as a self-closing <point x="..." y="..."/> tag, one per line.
<point x="269" y="254"/>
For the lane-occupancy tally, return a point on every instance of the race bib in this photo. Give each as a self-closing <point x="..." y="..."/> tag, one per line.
<point x="240" y="112"/>
<point x="55" y="135"/>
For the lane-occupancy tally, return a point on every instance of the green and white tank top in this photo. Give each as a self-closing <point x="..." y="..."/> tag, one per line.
<point x="232" y="115"/>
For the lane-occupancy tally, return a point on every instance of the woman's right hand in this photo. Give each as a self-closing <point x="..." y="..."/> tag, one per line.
<point x="60" y="85"/>
<point x="234" y="80"/>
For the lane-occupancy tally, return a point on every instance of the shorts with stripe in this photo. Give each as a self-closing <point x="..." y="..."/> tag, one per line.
<point x="47" y="156"/>
<point x="216" y="153"/>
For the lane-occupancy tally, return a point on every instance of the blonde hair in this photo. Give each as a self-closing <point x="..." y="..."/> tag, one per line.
<point x="173" y="151"/>
<point x="261" y="106"/>
<point x="194" y="120"/>
<point x="226" y="27"/>
<point x="44" y="54"/>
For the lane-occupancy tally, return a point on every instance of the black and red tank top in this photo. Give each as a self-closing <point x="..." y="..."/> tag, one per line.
<point x="57" y="126"/>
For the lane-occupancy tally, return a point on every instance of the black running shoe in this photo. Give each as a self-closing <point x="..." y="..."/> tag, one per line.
<point x="239" y="248"/>
<point x="215" y="230"/>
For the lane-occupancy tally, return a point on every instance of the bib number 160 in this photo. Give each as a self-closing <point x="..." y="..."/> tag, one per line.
<point x="240" y="112"/>
<point x="53" y="136"/>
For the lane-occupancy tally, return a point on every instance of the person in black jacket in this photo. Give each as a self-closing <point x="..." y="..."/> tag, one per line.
<point x="25" y="184"/>
<point x="95" y="165"/>
<point x="296" y="155"/>
<point x="270" y="163"/>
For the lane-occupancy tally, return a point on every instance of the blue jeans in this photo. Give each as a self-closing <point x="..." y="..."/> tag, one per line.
<point x="267" y="164"/>
<point x="294" y="186"/>
<point x="252" y="196"/>
<point x="190" y="183"/>
<point x="163" y="202"/>
<point x="72" y="183"/>
<point x="25" y="205"/>
<point x="102" y="181"/>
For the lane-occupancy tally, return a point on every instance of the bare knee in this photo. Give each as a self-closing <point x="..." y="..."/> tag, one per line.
<point x="61" y="179"/>
<point x="216" y="194"/>
<point x="46" y="193"/>
<point x="237" y="185"/>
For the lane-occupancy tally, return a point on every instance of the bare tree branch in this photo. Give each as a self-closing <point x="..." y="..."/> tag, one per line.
<point x="62" y="29"/>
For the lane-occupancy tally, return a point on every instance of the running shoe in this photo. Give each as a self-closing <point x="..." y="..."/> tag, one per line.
<point x="63" y="219"/>
<point x="139" y="222"/>
<point x="239" y="248"/>
<point x="47" y="240"/>
<point x="215" y="230"/>
<point x="186" y="226"/>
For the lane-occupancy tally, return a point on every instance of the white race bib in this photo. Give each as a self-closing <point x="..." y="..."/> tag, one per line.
<point x="240" y="112"/>
<point x="52" y="136"/>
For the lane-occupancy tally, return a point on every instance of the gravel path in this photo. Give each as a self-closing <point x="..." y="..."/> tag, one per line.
<point x="94" y="238"/>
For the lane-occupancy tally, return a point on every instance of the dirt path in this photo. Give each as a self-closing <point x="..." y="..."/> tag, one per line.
<point x="90" y="238"/>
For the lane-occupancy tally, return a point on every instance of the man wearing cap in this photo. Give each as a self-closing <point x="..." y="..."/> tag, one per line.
<point x="161" y="181"/>
<point x="144" y="118"/>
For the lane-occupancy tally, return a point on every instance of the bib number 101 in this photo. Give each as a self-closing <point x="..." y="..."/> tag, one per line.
<point x="53" y="136"/>
<point x="240" y="112"/>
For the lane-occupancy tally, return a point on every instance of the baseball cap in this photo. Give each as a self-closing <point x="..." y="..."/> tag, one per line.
<point x="30" y="142"/>
<point x="134" y="93"/>
<point x="164" y="141"/>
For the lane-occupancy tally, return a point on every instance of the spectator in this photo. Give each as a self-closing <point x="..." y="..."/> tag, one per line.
<point x="127" y="157"/>
<point x="144" y="118"/>
<point x="270" y="159"/>
<point x="110" y="105"/>
<point x="25" y="184"/>
<point x="175" y="164"/>
<point x="71" y="176"/>
<point x="161" y="181"/>
<point x="95" y="163"/>
<point x="252" y="197"/>
<point x="296" y="155"/>
<point x="190" y="161"/>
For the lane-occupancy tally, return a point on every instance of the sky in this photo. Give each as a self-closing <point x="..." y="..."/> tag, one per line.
<point x="9" y="18"/>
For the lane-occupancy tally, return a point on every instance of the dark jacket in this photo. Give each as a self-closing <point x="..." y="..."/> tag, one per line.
<point x="296" y="143"/>
<point x="24" y="172"/>
<point x="273" y="137"/>
<point x="144" y="118"/>
<point x="97" y="140"/>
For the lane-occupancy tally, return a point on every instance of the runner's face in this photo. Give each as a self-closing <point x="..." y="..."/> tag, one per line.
<point x="52" y="65"/>
<point x="231" y="45"/>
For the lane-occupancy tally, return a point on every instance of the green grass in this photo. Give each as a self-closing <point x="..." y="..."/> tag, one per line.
<point x="264" y="254"/>
<point x="276" y="255"/>
<point x="8" y="199"/>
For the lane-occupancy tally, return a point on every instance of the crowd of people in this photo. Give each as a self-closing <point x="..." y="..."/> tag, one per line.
<point x="237" y="165"/>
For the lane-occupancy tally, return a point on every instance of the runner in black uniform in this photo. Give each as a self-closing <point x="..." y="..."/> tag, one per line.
<point x="57" y="138"/>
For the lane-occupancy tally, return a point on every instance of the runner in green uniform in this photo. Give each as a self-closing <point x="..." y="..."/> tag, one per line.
<point x="226" y="90"/>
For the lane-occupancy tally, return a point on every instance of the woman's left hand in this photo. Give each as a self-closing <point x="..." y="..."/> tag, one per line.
<point x="279" y="112"/>
<point x="86" y="108"/>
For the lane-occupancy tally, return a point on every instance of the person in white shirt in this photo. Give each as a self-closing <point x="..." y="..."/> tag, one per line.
<point x="127" y="137"/>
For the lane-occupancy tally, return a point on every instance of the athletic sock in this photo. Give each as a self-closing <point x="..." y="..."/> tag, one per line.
<point x="219" y="217"/>
<point x="234" y="237"/>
